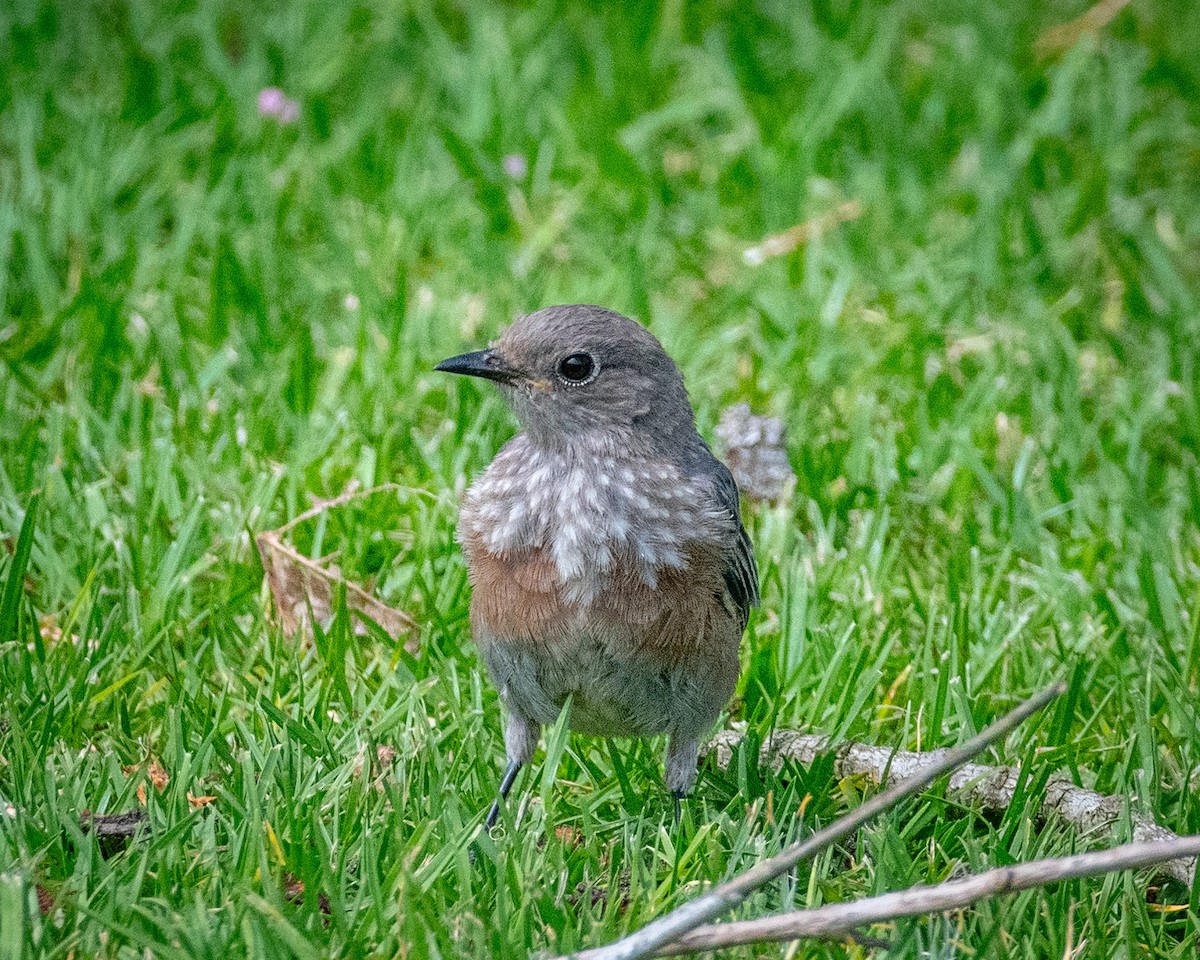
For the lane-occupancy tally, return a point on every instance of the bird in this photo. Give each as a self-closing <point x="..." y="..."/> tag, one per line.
<point x="604" y="544"/>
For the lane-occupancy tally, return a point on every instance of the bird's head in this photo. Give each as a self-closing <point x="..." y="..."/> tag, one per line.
<point x="584" y="374"/>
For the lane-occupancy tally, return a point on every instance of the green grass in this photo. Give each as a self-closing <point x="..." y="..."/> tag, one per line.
<point x="991" y="381"/>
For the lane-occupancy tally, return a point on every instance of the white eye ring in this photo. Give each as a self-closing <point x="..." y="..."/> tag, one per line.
<point x="577" y="369"/>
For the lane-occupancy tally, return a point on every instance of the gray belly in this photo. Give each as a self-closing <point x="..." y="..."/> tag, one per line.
<point x="612" y="692"/>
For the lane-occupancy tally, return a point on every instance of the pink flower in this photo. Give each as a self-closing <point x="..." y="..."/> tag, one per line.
<point x="273" y="102"/>
<point x="270" y="101"/>
<point x="515" y="165"/>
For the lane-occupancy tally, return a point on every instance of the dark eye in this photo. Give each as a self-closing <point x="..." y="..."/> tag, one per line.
<point x="577" y="368"/>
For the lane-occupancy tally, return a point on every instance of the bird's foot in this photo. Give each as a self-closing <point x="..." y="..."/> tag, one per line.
<point x="493" y="817"/>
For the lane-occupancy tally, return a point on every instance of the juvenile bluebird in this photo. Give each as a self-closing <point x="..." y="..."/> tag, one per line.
<point x="606" y="553"/>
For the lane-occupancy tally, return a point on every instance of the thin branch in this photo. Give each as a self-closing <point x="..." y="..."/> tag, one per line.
<point x="650" y="938"/>
<point x="345" y="497"/>
<point x="1061" y="38"/>
<point x="840" y="919"/>
<point x="991" y="788"/>
<point x="787" y="241"/>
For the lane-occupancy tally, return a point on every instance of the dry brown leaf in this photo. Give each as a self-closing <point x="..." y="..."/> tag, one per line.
<point x="51" y="633"/>
<point x="299" y="584"/>
<point x="385" y="756"/>
<point x="293" y="889"/>
<point x="780" y="243"/>
<point x="199" y="802"/>
<point x="1061" y="38"/>
<point x="45" y="899"/>
<point x="154" y="773"/>
<point x="157" y="775"/>
<point x="151" y="384"/>
<point x="568" y="836"/>
<point x="49" y="629"/>
<point x="293" y="892"/>
<point x="598" y="896"/>
<point x="677" y="162"/>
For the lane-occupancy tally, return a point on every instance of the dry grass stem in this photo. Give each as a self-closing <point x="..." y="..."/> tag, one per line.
<point x="788" y="240"/>
<point x="1061" y="38"/>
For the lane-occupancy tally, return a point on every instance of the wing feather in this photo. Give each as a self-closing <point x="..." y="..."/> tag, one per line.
<point x="740" y="573"/>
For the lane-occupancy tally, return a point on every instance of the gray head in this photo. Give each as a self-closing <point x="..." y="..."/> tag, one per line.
<point x="585" y="375"/>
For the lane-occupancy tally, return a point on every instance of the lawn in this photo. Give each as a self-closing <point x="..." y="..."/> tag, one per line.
<point x="985" y="351"/>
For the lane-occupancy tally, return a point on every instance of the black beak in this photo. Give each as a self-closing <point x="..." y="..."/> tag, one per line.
<point x="481" y="363"/>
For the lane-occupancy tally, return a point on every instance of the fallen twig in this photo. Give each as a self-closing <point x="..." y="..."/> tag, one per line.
<point x="993" y="788"/>
<point x="707" y="906"/>
<point x="122" y="825"/>
<point x="788" y="240"/>
<point x="114" y="830"/>
<point x="351" y="493"/>
<point x="839" y="919"/>
<point x="1064" y="36"/>
<point x="755" y="450"/>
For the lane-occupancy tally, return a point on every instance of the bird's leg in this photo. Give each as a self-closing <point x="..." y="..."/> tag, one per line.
<point x="520" y="740"/>
<point x="681" y="767"/>
<point x="506" y="782"/>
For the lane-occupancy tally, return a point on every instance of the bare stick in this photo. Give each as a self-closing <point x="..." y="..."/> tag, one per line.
<point x="1061" y="38"/>
<point x="990" y="788"/>
<point x="790" y="239"/>
<point x="644" y="942"/>
<point x="346" y="496"/>
<point x="839" y="919"/>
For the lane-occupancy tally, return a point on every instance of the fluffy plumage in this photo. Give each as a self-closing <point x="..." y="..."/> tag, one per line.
<point x="607" y="558"/>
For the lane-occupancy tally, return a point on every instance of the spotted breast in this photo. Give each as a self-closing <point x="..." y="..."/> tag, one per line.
<point x="604" y="584"/>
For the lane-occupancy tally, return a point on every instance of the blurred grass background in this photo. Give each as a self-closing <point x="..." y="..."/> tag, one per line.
<point x="210" y="317"/>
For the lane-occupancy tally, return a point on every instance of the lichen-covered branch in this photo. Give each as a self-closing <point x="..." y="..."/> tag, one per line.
<point x="992" y="788"/>
<point x="725" y="896"/>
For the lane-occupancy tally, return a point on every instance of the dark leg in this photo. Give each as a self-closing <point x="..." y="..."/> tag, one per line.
<point x="520" y="740"/>
<point x="677" y="796"/>
<point x="506" y="783"/>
